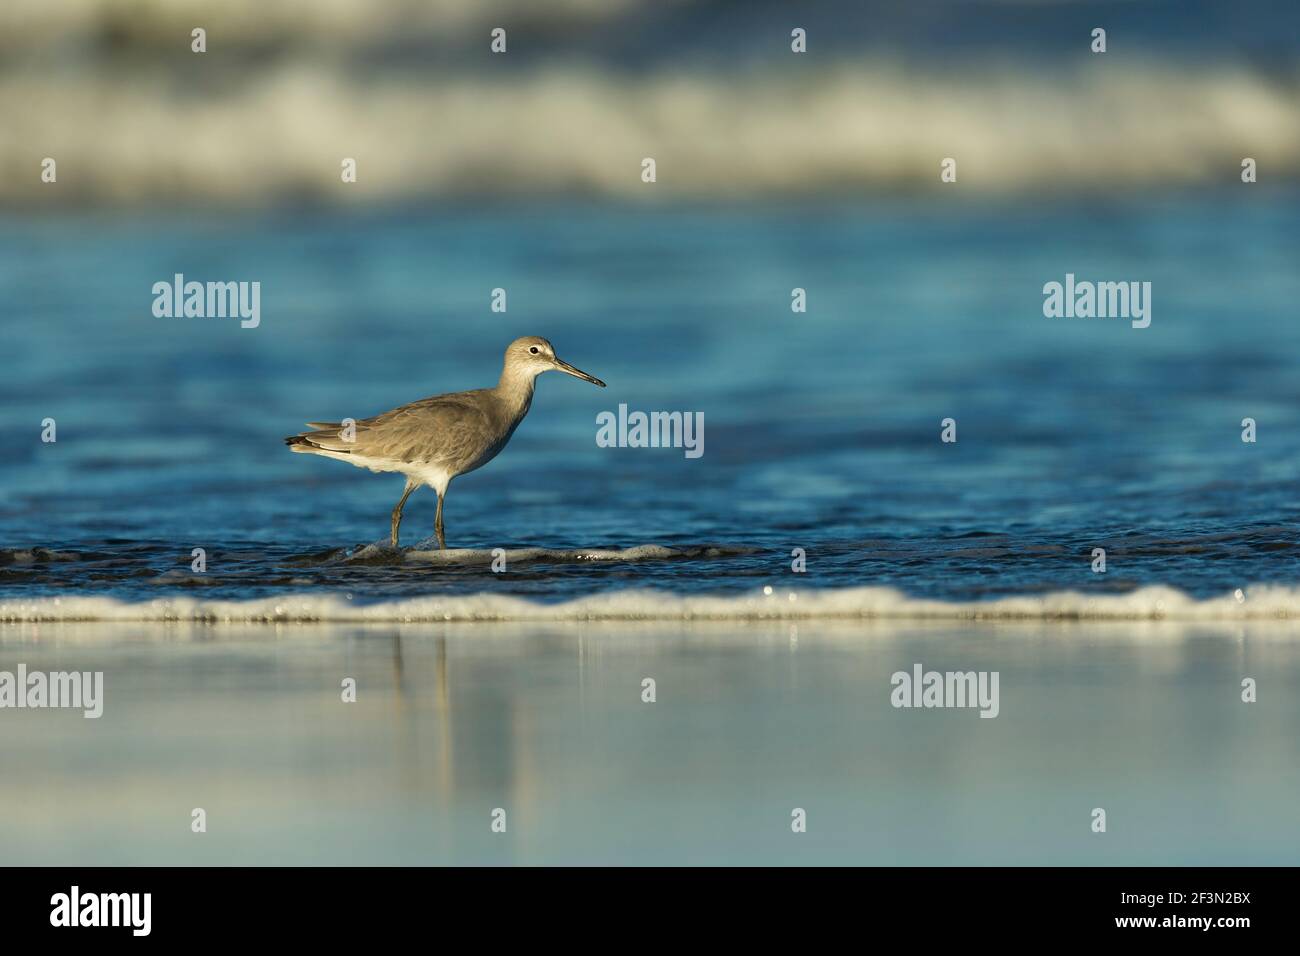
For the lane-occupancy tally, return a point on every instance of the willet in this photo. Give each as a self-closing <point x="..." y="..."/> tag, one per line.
<point x="435" y="439"/>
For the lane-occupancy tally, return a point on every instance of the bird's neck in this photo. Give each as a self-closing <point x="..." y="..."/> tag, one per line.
<point x="516" y="389"/>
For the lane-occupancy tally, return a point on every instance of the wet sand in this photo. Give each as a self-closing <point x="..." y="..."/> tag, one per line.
<point x="751" y="720"/>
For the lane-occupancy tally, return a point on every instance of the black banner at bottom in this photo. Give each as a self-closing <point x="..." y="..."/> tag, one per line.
<point x="303" y="905"/>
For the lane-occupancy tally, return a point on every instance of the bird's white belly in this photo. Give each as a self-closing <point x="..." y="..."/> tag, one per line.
<point x="432" y="475"/>
<point x="436" y="478"/>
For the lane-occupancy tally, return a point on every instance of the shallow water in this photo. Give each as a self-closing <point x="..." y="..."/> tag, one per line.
<point x="750" y="721"/>
<point x="821" y="430"/>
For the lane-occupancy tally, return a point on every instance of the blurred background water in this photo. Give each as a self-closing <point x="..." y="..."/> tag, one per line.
<point x="587" y="88"/>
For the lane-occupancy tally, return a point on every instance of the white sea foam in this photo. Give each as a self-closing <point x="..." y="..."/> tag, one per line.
<point x="862" y="126"/>
<point x="792" y="604"/>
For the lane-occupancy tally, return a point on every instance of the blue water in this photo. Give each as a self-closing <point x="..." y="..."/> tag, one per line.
<point x="821" y="429"/>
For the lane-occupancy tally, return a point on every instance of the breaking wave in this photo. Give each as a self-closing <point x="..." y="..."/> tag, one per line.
<point x="583" y="130"/>
<point x="769" y="604"/>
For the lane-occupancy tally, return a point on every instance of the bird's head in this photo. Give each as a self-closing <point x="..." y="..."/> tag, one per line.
<point x="532" y="355"/>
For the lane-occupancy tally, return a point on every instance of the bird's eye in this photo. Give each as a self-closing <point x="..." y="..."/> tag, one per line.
<point x="533" y="350"/>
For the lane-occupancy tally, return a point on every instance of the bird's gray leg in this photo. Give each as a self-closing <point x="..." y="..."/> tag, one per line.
<point x="411" y="485"/>
<point x="437" y="526"/>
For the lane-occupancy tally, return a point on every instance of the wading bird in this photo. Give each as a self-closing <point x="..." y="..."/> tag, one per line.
<point x="435" y="439"/>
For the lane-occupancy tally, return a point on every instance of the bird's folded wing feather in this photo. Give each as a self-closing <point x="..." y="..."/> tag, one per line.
<point x="442" y="428"/>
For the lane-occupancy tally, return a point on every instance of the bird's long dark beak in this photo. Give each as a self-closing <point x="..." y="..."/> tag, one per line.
<point x="577" y="373"/>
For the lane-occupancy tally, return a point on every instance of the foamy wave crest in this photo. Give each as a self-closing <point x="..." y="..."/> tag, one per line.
<point x="561" y="130"/>
<point x="1146" y="604"/>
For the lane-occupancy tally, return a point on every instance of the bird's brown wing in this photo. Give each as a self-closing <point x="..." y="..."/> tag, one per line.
<point x="445" y="429"/>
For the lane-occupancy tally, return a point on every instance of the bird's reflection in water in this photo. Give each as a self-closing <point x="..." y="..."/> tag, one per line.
<point x="442" y="714"/>
<point x="458" y="760"/>
<point x="424" y="756"/>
